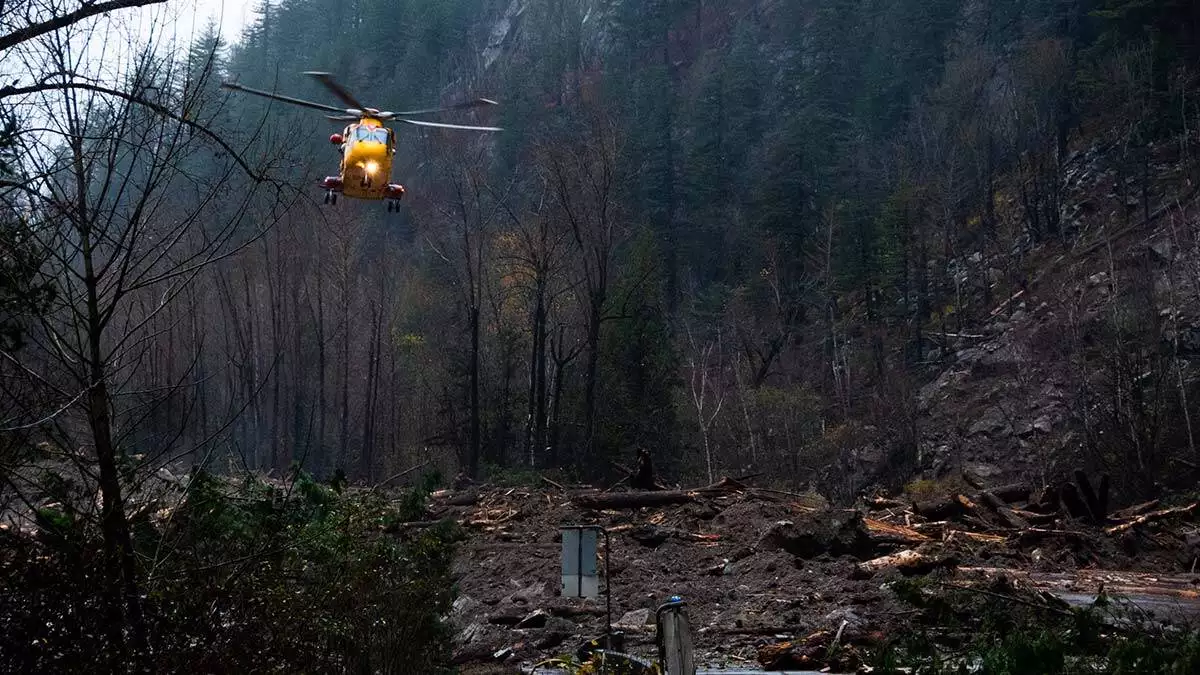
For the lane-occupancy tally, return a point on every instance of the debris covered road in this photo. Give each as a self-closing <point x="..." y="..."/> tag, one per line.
<point x="773" y="578"/>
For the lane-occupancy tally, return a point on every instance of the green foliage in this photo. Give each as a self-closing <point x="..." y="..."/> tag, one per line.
<point x="244" y="575"/>
<point x="1003" y="632"/>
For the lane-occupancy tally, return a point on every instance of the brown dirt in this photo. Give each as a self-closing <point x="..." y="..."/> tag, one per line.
<point x="756" y="568"/>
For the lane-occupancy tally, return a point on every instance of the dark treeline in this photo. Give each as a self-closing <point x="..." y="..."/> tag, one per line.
<point x="721" y="231"/>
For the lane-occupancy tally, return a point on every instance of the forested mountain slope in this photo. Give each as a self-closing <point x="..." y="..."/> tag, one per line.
<point x="747" y="236"/>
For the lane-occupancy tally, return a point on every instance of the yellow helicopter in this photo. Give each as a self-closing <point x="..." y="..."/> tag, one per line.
<point x="367" y="146"/>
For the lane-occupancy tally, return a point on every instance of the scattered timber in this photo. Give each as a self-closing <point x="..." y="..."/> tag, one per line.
<point x="906" y="562"/>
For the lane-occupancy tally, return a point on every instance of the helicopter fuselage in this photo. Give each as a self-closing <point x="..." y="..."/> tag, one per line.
<point x="367" y="147"/>
<point x="367" y="150"/>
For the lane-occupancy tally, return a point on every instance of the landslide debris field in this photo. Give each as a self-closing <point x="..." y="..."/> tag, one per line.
<point x="773" y="579"/>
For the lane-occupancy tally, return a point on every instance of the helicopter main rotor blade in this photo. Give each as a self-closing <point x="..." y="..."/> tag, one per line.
<point x="442" y="125"/>
<point x="338" y="91"/>
<point x="279" y="97"/>
<point x="477" y="103"/>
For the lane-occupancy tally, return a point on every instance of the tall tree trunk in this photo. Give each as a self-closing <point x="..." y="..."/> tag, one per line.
<point x="301" y="427"/>
<point x="367" y="459"/>
<point x="344" y="435"/>
<point x="536" y="410"/>
<point x="250" y="382"/>
<point x="118" y="543"/>
<point x="475" y="440"/>
<point x="276" y="354"/>
<point x="320" y="458"/>
<point x="666" y="138"/>
<point x="539" y="430"/>
<point x="595" y="308"/>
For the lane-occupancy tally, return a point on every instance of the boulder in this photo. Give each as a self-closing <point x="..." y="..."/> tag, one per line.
<point x="633" y="620"/>
<point x="835" y="533"/>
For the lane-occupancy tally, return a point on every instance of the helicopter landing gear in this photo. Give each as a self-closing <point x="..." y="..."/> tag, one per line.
<point x="332" y="185"/>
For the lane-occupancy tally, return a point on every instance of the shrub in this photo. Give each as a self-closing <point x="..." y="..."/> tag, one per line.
<point x="242" y="576"/>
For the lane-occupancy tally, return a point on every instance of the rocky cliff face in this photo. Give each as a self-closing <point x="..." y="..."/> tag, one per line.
<point x="1092" y="362"/>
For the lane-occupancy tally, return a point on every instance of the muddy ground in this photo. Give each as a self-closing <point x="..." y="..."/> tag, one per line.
<point x="756" y="568"/>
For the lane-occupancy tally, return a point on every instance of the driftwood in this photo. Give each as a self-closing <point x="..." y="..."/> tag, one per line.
<point x="1150" y="517"/>
<point x="906" y="562"/>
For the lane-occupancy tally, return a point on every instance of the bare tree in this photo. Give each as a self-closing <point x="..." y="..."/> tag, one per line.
<point x="583" y="180"/>
<point x="707" y="392"/>
<point x="129" y="220"/>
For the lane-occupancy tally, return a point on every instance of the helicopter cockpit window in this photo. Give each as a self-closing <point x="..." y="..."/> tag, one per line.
<point x="378" y="135"/>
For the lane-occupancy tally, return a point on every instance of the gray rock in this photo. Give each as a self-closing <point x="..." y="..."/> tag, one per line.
<point x="991" y="423"/>
<point x="470" y="634"/>
<point x="464" y="606"/>
<point x="983" y="471"/>
<point x="837" y="616"/>
<point x="634" y="620"/>
<point x="1163" y="250"/>
<point x="535" y="619"/>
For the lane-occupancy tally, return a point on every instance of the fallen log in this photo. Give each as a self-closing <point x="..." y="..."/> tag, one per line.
<point x="1037" y="533"/>
<point x="447" y="498"/>
<point x="1035" y="518"/>
<point x="907" y="562"/>
<point x="393" y="528"/>
<point x="977" y="537"/>
<point x="883" y="503"/>
<point x="1150" y="517"/>
<point x="887" y="532"/>
<point x="1007" y="515"/>
<point x="1136" y="510"/>
<point x="951" y="507"/>
<point x="637" y="500"/>
<point x="946" y="508"/>
<point x="633" y="500"/>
